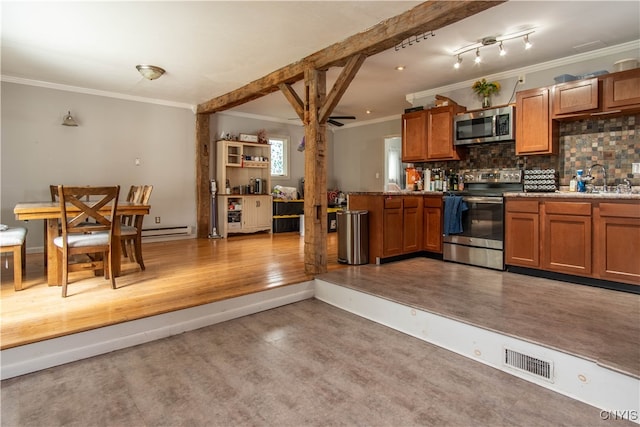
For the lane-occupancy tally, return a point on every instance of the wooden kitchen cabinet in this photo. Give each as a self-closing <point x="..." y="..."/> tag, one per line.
<point x="414" y="136"/>
<point x="622" y="90"/>
<point x="616" y="227"/>
<point x="395" y="224"/>
<point x="570" y="98"/>
<point x="432" y="224"/>
<point x="566" y="237"/>
<point x="522" y="233"/>
<point x="393" y="229"/>
<point x="411" y="224"/>
<point x="440" y="133"/>
<point x="238" y="163"/>
<point x="536" y="133"/>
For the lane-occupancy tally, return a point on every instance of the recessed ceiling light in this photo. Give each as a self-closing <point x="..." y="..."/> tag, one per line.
<point x="400" y="67"/>
<point x="368" y="111"/>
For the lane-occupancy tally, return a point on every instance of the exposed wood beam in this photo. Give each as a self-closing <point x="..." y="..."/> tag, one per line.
<point x="202" y="175"/>
<point x="293" y="99"/>
<point x="427" y="16"/>
<point x="340" y="86"/>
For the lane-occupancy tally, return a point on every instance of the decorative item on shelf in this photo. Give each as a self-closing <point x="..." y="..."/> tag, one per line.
<point x="248" y="138"/>
<point x="301" y="145"/>
<point x="485" y="89"/>
<point x="262" y="137"/>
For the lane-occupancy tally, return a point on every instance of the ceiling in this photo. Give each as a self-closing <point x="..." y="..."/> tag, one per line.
<point x="210" y="48"/>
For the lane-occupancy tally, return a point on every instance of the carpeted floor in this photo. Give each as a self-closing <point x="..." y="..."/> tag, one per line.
<point x="305" y="364"/>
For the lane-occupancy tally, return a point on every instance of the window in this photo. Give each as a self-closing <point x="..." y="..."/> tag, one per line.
<point x="279" y="156"/>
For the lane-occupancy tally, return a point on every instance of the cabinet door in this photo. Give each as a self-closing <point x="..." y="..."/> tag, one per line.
<point x="412" y="224"/>
<point x="622" y="90"/>
<point x="522" y="233"/>
<point x="567" y="237"/>
<point x="432" y="224"/>
<point x="392" y="227"/>
<point x="414" y="136"/>
<point x="575" y="97"/>
<point x="440" y="135"/>
<point x="617" y="242"/>
<point x="256" y="213"/>
<point x="534" y="134"/>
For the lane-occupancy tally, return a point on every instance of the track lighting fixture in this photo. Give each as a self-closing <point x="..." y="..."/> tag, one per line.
<point x="489" y="41"/>
<point x="458" y="62"/>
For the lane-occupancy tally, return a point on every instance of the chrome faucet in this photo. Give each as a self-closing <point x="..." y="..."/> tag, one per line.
<point x="604" y="175"/>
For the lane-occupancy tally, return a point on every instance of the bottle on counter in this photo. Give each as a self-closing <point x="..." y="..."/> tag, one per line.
<point x="573" y="184"/>
<point x="461" y="182"/>
<point x="580" y="181"/>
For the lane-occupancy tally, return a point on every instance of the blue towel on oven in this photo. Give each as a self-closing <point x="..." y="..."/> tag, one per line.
<point x="453" y="208"/>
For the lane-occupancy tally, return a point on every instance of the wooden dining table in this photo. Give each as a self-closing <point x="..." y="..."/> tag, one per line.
<point x="52" y="213"/>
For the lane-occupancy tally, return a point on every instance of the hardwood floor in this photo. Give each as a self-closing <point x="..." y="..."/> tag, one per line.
<point x="179" y="274"/>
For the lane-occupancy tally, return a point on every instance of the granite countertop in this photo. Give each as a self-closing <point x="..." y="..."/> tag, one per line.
<point x="575" y="195"/>
<point x="396" y="193"/>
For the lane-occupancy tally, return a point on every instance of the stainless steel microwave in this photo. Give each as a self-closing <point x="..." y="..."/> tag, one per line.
<point x="490" y="125"/>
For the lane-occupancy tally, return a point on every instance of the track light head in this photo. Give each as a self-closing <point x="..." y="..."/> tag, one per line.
<point x="502" y="51"/>
<point x="458" y="62"/>
<point x="527" y="43"/>
<point x="478" y="59"/>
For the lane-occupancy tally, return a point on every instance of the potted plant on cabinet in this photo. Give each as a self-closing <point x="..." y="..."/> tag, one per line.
<point x="485" y="89"/>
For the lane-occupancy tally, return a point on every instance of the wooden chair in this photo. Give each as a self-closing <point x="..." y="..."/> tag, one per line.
<point x="79" y="237"/>
<point x="131" y="225"/>
<point x="13" y="240"/>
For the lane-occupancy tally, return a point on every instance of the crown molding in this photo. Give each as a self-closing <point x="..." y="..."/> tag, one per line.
<point x="624" y="47"/>
<point x="87" y="91"/>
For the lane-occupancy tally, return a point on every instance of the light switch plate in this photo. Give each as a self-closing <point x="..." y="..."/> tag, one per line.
<point x="635" y="167"/>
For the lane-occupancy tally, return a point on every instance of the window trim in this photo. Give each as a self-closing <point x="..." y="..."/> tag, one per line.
<point x="285" y="156"/>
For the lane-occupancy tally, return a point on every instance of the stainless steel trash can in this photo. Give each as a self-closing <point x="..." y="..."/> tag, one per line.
<point x="353" y="237"/>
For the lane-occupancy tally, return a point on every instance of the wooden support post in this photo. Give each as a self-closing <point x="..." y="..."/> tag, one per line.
<point x="202" y="175"/>
<point x="315" y="172"/>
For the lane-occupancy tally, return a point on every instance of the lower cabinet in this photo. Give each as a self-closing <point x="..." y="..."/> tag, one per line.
<point x="395" y="224"/>
<point x="566" y="237"/>
<point x="244" y="214"/>
<point x="432" y="224"/>
<point x="522" y="233"/>
<point x="617" y="242"/>
<point x="594" y="238"/>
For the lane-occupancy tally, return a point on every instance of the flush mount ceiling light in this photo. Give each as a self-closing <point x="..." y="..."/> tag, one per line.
<point x="489" y="41"/>
<point x="69" y="120"/>
<point x="150" y="72"/>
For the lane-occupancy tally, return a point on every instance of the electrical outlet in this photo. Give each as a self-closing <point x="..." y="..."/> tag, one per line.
<point x="157" y="220"/>
<point x="521" y="79"/>
<point x="635" y="167"/>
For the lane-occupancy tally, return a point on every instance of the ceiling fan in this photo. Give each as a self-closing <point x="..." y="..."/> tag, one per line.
<point x="333" y="120"/>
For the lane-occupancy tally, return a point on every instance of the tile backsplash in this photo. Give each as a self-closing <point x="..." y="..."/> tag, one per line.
<point x="613" y="143"/>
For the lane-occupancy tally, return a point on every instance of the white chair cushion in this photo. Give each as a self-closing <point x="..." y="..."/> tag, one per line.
<point x="13" y="236"/>
<point x="81" y="240"/>
<point x="127" y="230"/>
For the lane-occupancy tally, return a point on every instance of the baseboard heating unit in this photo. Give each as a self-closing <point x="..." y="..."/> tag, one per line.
<point x="167" y="231"/>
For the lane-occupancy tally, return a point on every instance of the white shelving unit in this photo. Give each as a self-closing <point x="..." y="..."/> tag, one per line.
<point x="242" y="210"/>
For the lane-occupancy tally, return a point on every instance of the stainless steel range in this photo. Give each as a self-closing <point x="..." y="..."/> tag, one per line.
<point x="478" y="234"/>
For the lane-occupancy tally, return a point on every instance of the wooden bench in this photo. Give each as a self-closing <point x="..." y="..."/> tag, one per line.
<point x="13" y="240"/>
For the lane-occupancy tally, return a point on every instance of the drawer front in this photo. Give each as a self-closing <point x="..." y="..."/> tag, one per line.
<point x="432" y="202"/>
<point x="620" y="210"/>
<point x="568" y="208"/>
<point x="529" y="206"/>
<point x="411" y="202"/>
<point x="393" y="203"/>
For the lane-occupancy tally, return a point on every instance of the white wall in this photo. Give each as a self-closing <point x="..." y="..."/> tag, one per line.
<point x="37" y="151"/>
<point x="358" y="155"/>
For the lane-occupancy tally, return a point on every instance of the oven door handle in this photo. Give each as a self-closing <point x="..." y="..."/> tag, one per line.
<point x="492" y="200"/>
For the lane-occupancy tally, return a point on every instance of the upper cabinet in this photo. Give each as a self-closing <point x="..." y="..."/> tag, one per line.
<point x="414" y="136"/>
<point x="609" y="94"/>
<point x="440" y="133"/>
<point x="427" y="135"/>
<point x="535" y="131"/>
<point x="575" y="97"/>
<point x="622" y="90"/>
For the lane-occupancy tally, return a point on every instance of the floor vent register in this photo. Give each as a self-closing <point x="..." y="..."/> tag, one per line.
<point x="522" y="362"/>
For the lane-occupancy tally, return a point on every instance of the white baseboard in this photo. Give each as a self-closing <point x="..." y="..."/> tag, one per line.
<point x="575" y="377"/>
<point x="57" y="351"/>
